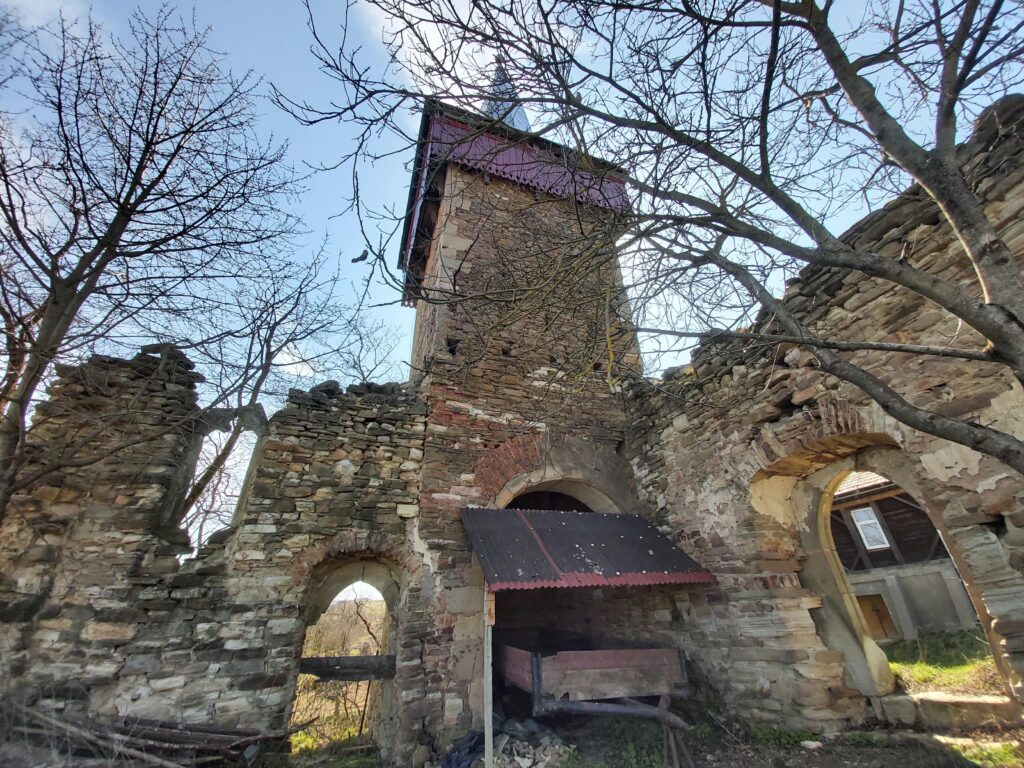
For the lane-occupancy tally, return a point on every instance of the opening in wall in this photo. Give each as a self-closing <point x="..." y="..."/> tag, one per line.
<point x="345" y="687"/>
<point x="548" y="500"/>
<point x="906" y="587"/>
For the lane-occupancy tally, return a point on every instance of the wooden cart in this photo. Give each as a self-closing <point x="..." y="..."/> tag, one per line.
<point x="593" y="675"/>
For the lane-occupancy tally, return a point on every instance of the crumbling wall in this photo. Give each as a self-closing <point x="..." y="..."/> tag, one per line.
<point x="99" y="614"/>
<point x="738" y="451"/>
<point x="78" y="546"/>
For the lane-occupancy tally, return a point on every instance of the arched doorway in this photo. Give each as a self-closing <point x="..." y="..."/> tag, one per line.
<point x="909" y="592"/>
<point x="347" y="658"/>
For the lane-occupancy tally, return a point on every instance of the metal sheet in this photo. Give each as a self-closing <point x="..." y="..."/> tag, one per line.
<point x="519" y="161"/>
<point x="534" y="549"/>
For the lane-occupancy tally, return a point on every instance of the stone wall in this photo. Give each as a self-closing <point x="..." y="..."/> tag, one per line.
<point x="343" y="486"/>
<point x="735" y="458"/>
<point x="740" y="452"/>
<point x="99" y="614"/>
<point x="520" y="397"/>
<point x="79" y="544"/>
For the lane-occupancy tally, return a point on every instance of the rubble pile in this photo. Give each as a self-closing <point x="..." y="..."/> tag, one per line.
<point x="517" y="744"/>
<point x="546" y="752"/>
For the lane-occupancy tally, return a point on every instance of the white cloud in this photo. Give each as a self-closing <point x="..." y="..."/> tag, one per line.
<point x="34" y="13"/>
<point x="293" y="363"/>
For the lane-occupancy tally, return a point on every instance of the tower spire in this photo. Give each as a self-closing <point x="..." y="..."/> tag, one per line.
<point x="503" y="103"/>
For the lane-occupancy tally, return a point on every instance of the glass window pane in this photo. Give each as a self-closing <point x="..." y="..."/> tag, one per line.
<point x="869" y="528"/>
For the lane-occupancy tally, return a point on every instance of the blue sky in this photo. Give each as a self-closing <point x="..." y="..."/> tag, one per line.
<point x="270" y="38"/>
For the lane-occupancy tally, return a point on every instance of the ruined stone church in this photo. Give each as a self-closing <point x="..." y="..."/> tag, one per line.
<point x="460" y="494"/>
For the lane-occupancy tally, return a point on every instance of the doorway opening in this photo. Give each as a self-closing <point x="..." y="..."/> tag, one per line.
<point x="912" y="599"/>
<point x="345" y="687"/>
<point x="553" y="500"/>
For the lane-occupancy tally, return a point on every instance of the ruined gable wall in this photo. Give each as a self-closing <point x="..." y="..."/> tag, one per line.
<point x="100" y="616"/>
<point x="737" y="453"/>
<point x="79" y="546"/>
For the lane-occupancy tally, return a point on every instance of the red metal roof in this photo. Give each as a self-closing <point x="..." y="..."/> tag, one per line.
<point x="520" y="161"/>
<point x="859" y="482"/>
<point x="534" y="549"/>
<point x="450" y="134"/>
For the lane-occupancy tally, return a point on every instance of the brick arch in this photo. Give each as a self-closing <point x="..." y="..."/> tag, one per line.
<point x="516" y="456"/>
<point x="816" y="437"/>
<point x="588" y="470"/>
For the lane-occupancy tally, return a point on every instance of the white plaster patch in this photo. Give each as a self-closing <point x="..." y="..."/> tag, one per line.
<point x="345" y="469"/>
<point x="772" y="497"/>
<point x="950" y="461"/>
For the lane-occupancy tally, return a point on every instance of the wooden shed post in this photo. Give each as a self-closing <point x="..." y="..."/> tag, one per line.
<point x="488" y="678"/>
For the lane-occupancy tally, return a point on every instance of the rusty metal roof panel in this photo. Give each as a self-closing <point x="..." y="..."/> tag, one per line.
<point x="859" y="482"/>
<point x="523" y="162"/>
<point x="533" y="549"/>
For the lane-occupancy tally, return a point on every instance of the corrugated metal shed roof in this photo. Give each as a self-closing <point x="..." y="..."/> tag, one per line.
<point x="858" y="482"/>
<point x="533" y="549"/>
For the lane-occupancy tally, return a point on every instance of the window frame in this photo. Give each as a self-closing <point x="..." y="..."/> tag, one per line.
<point x="876" y="522"/>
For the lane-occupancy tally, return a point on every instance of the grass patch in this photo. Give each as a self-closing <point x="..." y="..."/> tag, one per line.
<point x="616" y="743"/>
<point x="955" y="662"/>
<point x="863" y="739"/>
<point x="779" y="737"/>
<point x="993" y="755"/>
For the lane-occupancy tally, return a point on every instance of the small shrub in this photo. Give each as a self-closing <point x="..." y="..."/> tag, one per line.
<point x="700" y="734"/>
<point x="574" y="760"/>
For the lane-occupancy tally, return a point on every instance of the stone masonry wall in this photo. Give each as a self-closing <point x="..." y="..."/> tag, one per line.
<point x="738" y="451"/>
<point x="520" y="396"/>
<point x="734" y="458"/>
<point x="78" y="545"/>
<point x="98" y="613"/>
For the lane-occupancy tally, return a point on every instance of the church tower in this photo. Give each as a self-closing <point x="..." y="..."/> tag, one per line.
<point x="521" y="342"/>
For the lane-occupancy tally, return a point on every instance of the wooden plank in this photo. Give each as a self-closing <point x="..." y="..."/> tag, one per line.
<point x="349" y="667"/>
<point x="613" y="659"/>
<point x="488" y="678"/>
<point x="514" y="666"/>
<point x="585" y="685"/>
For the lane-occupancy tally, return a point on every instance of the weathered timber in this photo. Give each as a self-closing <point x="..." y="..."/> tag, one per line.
<point x="597" y="674"/>
<point x="349" y="667"/>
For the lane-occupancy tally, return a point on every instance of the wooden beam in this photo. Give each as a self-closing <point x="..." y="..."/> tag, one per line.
<point x="488" y="678"/>
<point x="349" y="667"/>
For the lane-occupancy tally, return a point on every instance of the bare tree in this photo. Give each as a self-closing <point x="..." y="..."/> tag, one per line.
<point x="745" y="131"/>
<point x="138" y="204"/>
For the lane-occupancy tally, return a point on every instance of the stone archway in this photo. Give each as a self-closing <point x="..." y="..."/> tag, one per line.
<point x="542" y="480"/>
<point x="594" y="473"/>
<point x="803" y="502"/>
<point x="963" y="542"/>
<point x="326" y="581"/>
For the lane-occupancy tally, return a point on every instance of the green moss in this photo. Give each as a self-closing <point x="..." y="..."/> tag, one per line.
<point x="779" y="737"/>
